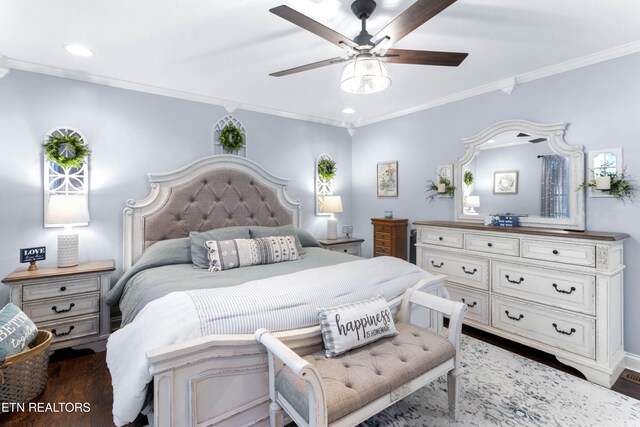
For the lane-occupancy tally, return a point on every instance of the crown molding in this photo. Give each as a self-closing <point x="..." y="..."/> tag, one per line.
<point x="156" y="90"/>
<point x="573" y="64"/>
<point x="606" y="55"/>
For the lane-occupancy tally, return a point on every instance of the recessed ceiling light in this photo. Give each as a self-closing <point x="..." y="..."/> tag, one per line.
<point x="349" y="110"/>
<point x="79" y="50"/>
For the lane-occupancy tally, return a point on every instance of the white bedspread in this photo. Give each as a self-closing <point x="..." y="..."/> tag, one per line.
<point x="277" y="303"/>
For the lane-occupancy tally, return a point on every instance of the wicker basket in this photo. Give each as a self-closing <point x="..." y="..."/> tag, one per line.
<point x="24" y="375"/>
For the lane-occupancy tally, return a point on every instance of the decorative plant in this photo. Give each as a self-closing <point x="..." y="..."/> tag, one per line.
<point x="66" y="149"/>
<point x="326" y="168"/>
<point x="468" y="178"/>
<point x="622" y="187"/>
<point x="231" y="138"/>
<point x="432" y="188"/>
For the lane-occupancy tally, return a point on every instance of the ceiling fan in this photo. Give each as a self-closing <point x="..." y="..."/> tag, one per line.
<point x="366" y="71"/>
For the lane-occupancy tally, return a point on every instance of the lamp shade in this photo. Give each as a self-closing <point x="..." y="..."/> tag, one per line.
<point x="331" y="204"/>
<point x="67" y="210"/>
<point x="365" y="74"/>
<point x="472" y="201"/>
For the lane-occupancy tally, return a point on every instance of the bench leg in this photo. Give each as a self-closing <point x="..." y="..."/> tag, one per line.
<point x="452" y="388"/>
<point x="276" y="415"/>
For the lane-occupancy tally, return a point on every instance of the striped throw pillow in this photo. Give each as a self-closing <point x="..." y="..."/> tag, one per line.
<point x="227" y="254"/>
<point x="350" y="326"/>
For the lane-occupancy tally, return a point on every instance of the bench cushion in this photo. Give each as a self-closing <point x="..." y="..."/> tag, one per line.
<point x="362" y="375"/>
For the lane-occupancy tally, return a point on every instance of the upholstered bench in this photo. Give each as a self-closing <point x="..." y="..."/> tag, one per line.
<point x="349" y="388"/>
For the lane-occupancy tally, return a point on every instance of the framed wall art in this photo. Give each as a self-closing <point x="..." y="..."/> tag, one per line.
<point x="505" y="182"/>
<point x="387" y="179"/>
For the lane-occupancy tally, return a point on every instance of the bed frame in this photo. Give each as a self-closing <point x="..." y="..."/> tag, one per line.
<point x="219" y="379"/>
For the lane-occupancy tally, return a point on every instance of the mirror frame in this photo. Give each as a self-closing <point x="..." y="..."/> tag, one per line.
<point x="555" y="135"/>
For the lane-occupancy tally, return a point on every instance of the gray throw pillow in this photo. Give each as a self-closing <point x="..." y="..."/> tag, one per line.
<point x="258" y="232"/>
<point x="17" y="331"/>
<point x="306" y="239"/>
<point x="200" y="253"/>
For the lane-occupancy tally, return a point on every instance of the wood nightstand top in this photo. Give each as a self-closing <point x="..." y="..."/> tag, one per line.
<point x="45" y="272"/>
<point x="340" y="241"/>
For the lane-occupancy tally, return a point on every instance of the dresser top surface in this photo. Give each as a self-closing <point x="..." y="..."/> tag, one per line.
<point x="550" y="232"/>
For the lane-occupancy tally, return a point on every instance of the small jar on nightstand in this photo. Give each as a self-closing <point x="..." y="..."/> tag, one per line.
<point x="67" y="301"/>
<point x="347" y="245"/>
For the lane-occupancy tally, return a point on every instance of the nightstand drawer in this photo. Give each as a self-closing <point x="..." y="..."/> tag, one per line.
<point x="60" y="308"/>
<point x="72" y="328"/>
<point x="60" y="288"/>
<point x="346" y="249"/>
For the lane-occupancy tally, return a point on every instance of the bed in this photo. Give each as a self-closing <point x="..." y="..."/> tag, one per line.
<point x="211" y="371"/>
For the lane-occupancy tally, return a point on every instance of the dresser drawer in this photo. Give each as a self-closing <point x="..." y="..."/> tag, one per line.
<point x="477" y="302"/>
<point x="441" y="237"/>
<point x="492" y="244"/>
<point x="552" y="287"/>
<point x="60" y="308"/>
<point x="467" y="270"/>
<point x="72" y="328"/>
<point x="60" y="287"/>
<point x="571" y="332"/>
<point x="576" y="254"/>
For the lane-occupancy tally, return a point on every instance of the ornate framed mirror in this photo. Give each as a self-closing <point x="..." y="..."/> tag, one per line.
<point x="525" y="169"/>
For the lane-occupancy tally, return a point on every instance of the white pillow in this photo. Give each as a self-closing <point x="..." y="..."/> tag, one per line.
<point x="353" y="325"/>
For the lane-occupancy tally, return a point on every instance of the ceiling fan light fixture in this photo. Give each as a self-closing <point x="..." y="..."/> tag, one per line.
<point x="365" y="74"/>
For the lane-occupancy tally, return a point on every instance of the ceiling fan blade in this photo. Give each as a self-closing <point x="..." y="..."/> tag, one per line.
<point x="423" y="57"/>
<point x="416" y="15"/>
<point x="308" y="67"/>
<point x="315" y="27"/>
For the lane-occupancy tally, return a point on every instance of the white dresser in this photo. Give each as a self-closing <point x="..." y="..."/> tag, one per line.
<point x="555" y="290"/>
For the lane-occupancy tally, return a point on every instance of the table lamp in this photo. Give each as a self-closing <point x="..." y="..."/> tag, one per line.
<point x="331" y="205"/>
<point x="472" y="202"/>
<point x="67" y="211"/>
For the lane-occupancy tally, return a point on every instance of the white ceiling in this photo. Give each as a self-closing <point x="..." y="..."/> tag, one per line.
<point x="222" y="52"/>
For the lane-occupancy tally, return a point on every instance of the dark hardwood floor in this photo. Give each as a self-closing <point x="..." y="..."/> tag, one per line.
<point x="83" y="377"/>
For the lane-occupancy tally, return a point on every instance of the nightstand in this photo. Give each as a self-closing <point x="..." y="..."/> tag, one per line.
<point x="67" y="301"/>
<point x="347" y="245"/>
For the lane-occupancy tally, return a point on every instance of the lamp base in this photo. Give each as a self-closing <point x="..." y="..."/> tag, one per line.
<point x="332" y="229"/>
<point x="67" y="250"/>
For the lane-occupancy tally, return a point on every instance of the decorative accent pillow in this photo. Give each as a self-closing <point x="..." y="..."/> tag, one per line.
<point x="306" y="239"/>
<point x="258" y="231"/>
<point x="17" y="331"/>
<point x="353" y="325"/>
<point x="199" y="252"/>
<point x="226" y="254"/>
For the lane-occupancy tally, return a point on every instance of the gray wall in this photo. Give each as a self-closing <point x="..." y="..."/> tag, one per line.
<point x="600" y="102"/>
<point x="131" y="134"/>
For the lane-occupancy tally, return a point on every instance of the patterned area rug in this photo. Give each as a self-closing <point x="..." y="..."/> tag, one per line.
<point x="499" y="388"/>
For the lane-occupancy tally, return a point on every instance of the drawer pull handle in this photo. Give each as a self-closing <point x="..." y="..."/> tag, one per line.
<point x="514" y="318"/>
<point x="54" y="308"/>
<point x="490" y="244"/>
<point x="437" y="266"/>
<point x="560" y="331"/>
<point x="441" y="238"/>
<point x="61" y="334"/>
<point x="469" y="272"/>
<point x="345" y="250"/>
<point x="563" y="291"/>
<point x="555" y="252"/>
<point x="470" y="305"/>
<point x="517" y="282"/>
<point x="62" y="289"/>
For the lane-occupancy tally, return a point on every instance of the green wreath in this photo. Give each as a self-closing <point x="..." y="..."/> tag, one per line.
<point x="231" y="139"/>
<point x="326" y="168"/>
<point x="66" y="149"/>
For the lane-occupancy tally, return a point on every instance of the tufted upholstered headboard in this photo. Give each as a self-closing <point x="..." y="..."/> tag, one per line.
<point x="213" y="192"/>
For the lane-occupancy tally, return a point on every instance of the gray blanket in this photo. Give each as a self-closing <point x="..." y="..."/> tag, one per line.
<point x="166" y="267"/>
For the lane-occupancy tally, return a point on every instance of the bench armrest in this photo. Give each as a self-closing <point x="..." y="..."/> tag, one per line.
<point x="281" y="351"/>
<point x="454" y="310"/>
